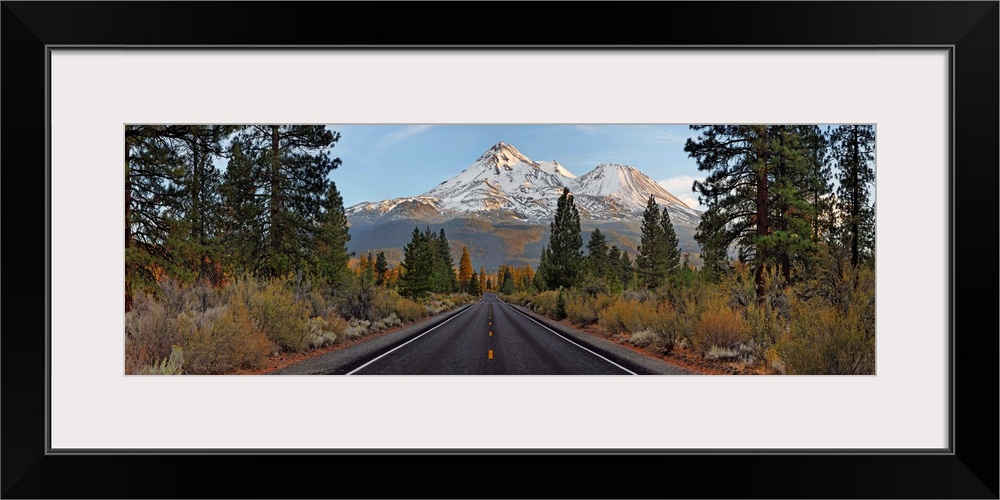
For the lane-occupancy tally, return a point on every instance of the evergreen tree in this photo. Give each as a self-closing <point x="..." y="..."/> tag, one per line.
<point x="153" y="177"/>
<point x="289" y="168"/>
<point x="597" y="268"/>
<point x="853" y="150"/>
<point x="418" y="262"/>
<point x="197" y="230"/>
<point x="465" y="271"/>
<point x="621" y="270"/>
<point x="596" y="262"/>
<point x="791" y="212"/>
<point x="543" y="266"/>
<point x="651" y="262"/>
<point x="474" y="288"/>
<point x="381" y="269"/>
<point x="246" y="217"/>
<point x="444" y="279"/>
<point x="330" y="258"/>
<point x="564" y="259"/>
<point x="757" y="195"/>
<point x="819" y="187"/>
<point x="507" y="286"/>
<point x="671" y="245"/>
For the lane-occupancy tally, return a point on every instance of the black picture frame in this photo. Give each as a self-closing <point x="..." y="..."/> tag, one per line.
<point x="969" y="470"/>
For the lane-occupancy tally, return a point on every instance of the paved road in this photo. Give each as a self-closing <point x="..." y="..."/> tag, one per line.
<point x="491" y="338"/>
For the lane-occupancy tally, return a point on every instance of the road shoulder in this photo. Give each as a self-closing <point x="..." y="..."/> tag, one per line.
<point x="341" y="361"/>
<point x="637" y="362"/>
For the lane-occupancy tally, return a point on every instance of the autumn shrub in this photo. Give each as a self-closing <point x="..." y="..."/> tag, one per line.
<point x="323" y="332"/>
<point x="644" y="338"/>
<point x="356" y="328"/>
<point x="357" y="298"/>
<point x="581" y="309"/>
<point x="828" y="338"/>
<point x="545" y="303"/>
<point x="278" y="315"/>
<point x="390" y="303"/>
<point x="223" y="339"/>
<point x="628" y="316"/>
<point x="519" y="298"/>
<point x="150" y="333"/>
<point x="720" y="326"/>
<point x="437" y="303"/>
<point x="173" y="365"/>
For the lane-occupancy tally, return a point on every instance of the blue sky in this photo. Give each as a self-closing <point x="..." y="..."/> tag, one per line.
<point x="390" y="161"/>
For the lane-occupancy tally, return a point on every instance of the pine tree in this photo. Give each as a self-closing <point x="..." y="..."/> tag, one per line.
<point x="617" y="274"/>
<point x="853" y="150"/>
<point x="474" y="288"/>
<point x="791" y="211"/>
<point x="245" y="217"/>
<point x="819" y="186"/>
<point x="651" y="262"/>
<point x="289" y="168"/>
<point x="482" y="279"/>
<point x="465" y="271"/>
<point x="153" y="177"/>
<point x="564" y="261"/>
<point x="444" y="279"/>
<point x="197" y="230"/>
<point x="330" y="257"/>
<point x="543" y="267"/>
<point x="596" y="261"/>
<point x="627" y="270"/>
<point x="596" y="265"/>
<point x="418" y="262"/>
<point x="757" y="196"/>
<point x="507" y="286"/>
<point x="381" y="269"/>
<point x="671" y="245"/>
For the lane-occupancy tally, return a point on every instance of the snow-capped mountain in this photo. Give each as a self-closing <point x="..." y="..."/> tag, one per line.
<point x="613" y="192"/>
<point x="505" y="183"/>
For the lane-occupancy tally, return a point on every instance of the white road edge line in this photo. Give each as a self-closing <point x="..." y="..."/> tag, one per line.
<point x="568" y="340"/>
<point x="352" y="372"/>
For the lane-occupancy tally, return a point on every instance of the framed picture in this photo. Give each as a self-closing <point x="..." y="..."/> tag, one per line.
<point x="924" y="73"/>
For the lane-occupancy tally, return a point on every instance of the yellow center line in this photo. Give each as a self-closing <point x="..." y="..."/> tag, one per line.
<point x="490" y="354"/>
<point x="491" y="333"/>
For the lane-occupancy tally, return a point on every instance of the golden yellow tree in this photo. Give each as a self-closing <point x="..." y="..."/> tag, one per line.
<point x="464" y="270"/>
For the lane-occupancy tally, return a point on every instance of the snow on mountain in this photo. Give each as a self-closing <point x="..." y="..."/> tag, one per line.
<point x="554" y="167"/>
<point x="504" y="182"/>
<point x="503" y="179"/>
<point x="614" y="191"/>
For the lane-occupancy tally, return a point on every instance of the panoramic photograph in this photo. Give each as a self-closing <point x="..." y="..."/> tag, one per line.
<point x="562" y="249"/>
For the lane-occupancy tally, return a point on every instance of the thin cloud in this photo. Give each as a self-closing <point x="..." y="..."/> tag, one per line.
<point x="680" y="187"/>
<point x="670" y="138"/>
<point x="404" y="133"/>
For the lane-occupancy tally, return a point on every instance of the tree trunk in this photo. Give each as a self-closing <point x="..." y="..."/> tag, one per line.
<point x="855" y="211"/>
<point x="276" y="232"/>
<point x="763" y="229"/>
<point x="786" y="264"/>
<point x="128" y="231"/>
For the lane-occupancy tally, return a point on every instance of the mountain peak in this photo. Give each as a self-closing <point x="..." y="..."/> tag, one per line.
<point x="615" y="166"/>
<point x="502" y="154"/>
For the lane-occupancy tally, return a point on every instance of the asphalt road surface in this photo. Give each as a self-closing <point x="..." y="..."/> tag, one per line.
<point x="491" y="338"/>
